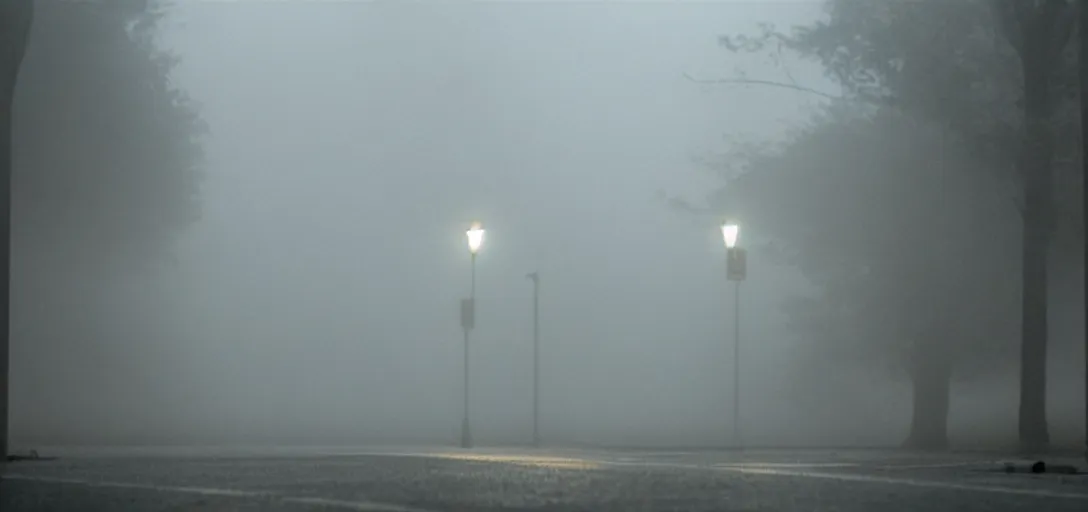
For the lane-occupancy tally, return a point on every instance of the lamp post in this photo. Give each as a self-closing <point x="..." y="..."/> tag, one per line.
<point x="535" y="278"/>
<point x="736" y="270"/>
<point x="475" y="235"/>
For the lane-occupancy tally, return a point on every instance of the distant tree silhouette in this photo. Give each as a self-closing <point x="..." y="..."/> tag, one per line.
<point x="889" y="218"/>
<point x="106" y="169"/>
<point x="999" y="75"/>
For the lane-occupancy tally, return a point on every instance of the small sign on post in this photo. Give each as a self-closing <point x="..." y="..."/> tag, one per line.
<point x="736" y="266"/>
<point x="468" y="314"/>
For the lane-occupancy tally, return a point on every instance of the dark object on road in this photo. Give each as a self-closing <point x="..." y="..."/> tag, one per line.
<point x="1041" y="467"/>
<point x="1057" y="469"/>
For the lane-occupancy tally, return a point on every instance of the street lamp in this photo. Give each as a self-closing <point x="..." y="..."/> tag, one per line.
<point x="475" y="236"/>
<point x="730" y="230"/>
<point x="736" y="270"/>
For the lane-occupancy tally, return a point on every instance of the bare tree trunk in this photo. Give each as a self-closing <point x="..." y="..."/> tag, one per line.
<point x="15" y="20"/>
<point x="931" y="378"/>
<point x="1039" y="31"/>
<point x="1034" y="434"/>
<point x="1036" y="170"/>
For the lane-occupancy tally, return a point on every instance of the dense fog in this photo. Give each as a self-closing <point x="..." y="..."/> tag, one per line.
<point x="313" y="296"/>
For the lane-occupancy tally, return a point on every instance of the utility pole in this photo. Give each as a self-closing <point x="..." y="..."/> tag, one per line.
<point x="1083" y="64"/>
<point x="535" y="277"/>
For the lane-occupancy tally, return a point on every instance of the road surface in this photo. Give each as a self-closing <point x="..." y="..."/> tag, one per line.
<point x="541" y="480"/>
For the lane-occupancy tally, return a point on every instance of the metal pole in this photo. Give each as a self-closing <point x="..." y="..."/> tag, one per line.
<point x="466" y="435"/>
<point x="536" y="359"/>
<point x="736" y="365"/>
<point x="1083" y="64"/>
<point x="5" y="261"/>
<point x="466" y="429"/>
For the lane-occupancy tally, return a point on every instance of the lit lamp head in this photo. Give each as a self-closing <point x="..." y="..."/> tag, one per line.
<point x="730" y="230"/>
<point x="475" y="237"/>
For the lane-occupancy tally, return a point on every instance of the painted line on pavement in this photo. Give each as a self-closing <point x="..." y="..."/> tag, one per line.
<point x="359" y="506"/>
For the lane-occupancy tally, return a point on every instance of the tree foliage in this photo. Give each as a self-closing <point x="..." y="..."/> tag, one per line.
<point x="106" y="168"/>
<point x="951" y="63"/>
<point x="887" y="216"/>
<point x="905" y="235"/>
<point x="994" y="73"/>
<point x="107" y="156"/>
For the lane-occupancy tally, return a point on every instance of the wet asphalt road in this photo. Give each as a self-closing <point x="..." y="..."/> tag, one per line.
<point x="560" y="480"/>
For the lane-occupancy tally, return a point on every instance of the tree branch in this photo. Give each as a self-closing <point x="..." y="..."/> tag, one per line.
<point x="1007" y="18"/>
<point x="769" y="83"/>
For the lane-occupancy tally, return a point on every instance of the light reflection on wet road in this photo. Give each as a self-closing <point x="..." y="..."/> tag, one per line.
<point x="492" y="479"/>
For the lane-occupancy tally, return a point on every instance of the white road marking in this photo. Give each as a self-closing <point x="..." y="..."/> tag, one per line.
<point x="359" y="506"/>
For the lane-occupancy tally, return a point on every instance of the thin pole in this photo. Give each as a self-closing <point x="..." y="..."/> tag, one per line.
<point x="466" y="428"/>
<point x="536" y="359"/>
<point x="736" y="365"/>
<point x="1083" y="64"/>
<point x="5" y="261"/>
<point x="466" y="437"/>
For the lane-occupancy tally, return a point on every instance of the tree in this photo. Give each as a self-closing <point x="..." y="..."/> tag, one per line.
<point x="885" y="214"/>
<point x="992" y="71"/>
<point x="106" y="167"/>
<point x="1039" y="32"/>
<point x="15" y="22"/>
